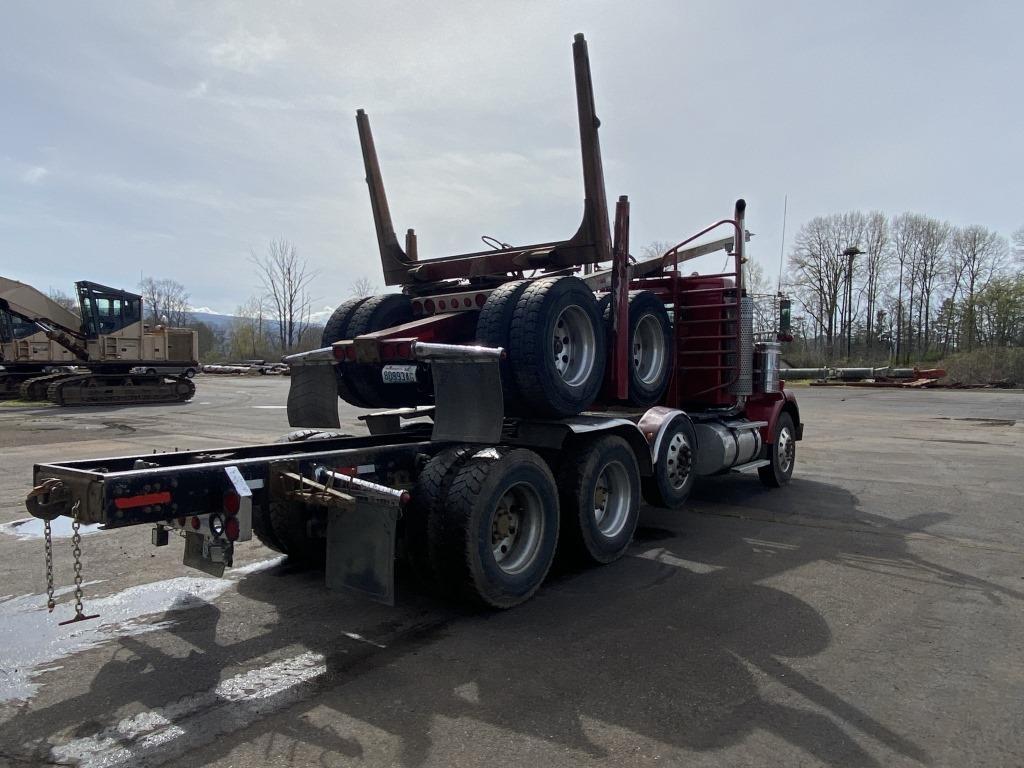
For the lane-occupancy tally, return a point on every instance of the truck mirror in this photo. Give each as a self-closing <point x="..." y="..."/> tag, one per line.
<point x="785" y="319"/>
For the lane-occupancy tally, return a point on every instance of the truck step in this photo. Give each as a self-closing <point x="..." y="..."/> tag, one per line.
<point x="751" y="465"/>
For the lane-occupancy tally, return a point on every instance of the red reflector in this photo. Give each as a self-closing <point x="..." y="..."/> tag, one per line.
<point x="480" y="299"/>
<point x="350" y="353"/>
<point x="232" y="528"/>
<point x="339" y="353"/>
<point x="405" y="498"/>
<point x="350" y="471"/>
<point x="417" y="309"/>
<point x="387" y="350"/>
<point x="468" y="302"/>
<point x="232" y="502"/>
<point x="195" y="523"/>
<point x="143" y="500"/>
<point x="181" y="522"/>
<point x="441" y="304"/>
<point x="429" y="306"/>
<point x="405" y="349"/>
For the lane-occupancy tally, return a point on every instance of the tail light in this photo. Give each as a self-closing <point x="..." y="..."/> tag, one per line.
<point x="232" y="528"/>
<point x="428" y="305"/>
<point x="232" y="503"/>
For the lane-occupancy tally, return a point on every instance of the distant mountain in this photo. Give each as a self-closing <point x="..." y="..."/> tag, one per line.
<point x="222" y="322"/>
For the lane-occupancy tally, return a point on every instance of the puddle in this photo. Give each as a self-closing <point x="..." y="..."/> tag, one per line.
<point x="31" y="640"/>
<point x="32" y="528"/>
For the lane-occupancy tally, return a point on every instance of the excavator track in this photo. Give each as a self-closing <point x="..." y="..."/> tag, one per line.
<point x="37" y="388"/>
<point x="117" y="389"/>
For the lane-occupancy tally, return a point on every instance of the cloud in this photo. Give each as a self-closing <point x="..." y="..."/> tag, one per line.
<point x="245" y="52"/>
<point x="35" y="175"/>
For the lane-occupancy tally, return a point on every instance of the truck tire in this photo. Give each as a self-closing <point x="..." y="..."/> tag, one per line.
<point x="781" y="453"/>
<point x="336" y="329"/>
<point x="301" y="435"/>
<point x="599" y="500"/>
<point x="376" y="314"/>
<point x="674" y="476"/>
<point x="499" y="528"/>
<point x="263" y="529"/>
<point x="422" y="521"/>
<point x="493" y="328"/>
<point x="557" y="347"/>
<point x="290" y="523"/>
<point x="650" y="347"/>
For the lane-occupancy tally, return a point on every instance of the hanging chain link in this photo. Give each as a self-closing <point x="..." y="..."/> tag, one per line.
<point x="48" y="539"/>
<point x="76" y="553"/>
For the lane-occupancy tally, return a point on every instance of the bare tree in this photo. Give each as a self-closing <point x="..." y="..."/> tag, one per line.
<point x="876" y="263"/>
<point x="362" y="286"/>
<point x="249" y="331"/>
<point x="165" y="298"/>
<point x="1018" y="243"/>
<point x="977" y="255"/>
<point x="70" y="303"/>
<point x="285" y="278"/>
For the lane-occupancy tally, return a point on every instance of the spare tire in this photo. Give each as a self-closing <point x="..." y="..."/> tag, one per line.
<point x="557" y="347"/>
<point x="650" y="346"/>
<point x="493" y="329"/>
<point x="376" y="314"/>
<point x="336" y="329"/>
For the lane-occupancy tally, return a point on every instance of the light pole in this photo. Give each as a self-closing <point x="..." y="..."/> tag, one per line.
<point x="849" y="253"/>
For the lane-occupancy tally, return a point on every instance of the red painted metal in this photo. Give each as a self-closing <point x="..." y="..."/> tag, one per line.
<point x="620" y="358"/>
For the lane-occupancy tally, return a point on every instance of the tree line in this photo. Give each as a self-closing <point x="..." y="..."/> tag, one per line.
<point x="908" y="288"/>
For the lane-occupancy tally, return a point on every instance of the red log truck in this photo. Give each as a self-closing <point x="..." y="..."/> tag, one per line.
<point x="522" y="400"/>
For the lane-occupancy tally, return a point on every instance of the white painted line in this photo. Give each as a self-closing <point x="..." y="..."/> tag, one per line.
<point x="659" y="555"/>
<point x="268" y="407"/>
<point x="165" y="733"/>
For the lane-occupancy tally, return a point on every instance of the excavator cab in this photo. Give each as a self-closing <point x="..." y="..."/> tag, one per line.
<point x="106" y="310"/>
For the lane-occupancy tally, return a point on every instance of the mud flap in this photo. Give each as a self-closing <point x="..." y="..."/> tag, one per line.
<point x="361" y="550"/>
<point x="470" y="405"/>
<point x="206" y="556"/>
<point x="313" y="396"/>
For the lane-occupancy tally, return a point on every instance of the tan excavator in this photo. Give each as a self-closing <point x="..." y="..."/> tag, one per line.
<point x="106" y="356"/>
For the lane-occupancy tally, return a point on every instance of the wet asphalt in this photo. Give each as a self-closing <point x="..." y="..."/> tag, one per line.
<point x="871" y="613"/>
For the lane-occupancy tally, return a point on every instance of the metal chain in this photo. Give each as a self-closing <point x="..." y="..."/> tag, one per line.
<point x="47" y="538"/>
<point x="76" y="552"/>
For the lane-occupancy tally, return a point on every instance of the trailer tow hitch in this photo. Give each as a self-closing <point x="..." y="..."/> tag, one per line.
<point x="48" y="501"/>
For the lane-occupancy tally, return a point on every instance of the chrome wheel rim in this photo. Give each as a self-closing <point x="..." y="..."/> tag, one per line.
<point x="573" y="346"/>
<point x="612" y="498"/>
<point x="517" y="528"/>
<point x="649" y="356"/>
<point x="786" y="449"/>
<point x="678" y="460"/>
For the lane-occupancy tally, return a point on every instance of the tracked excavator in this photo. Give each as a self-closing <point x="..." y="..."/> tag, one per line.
<point x="105" y="356"/>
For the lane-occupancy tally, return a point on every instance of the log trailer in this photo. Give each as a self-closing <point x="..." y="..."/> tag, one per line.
<point x="104" y="356"/>
<point x="511" y="414"/>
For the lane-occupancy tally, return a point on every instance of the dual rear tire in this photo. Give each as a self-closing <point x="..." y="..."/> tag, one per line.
<point x="486" y="523"/>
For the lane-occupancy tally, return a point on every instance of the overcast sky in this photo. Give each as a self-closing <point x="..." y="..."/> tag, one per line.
<point x="173" y="138"/>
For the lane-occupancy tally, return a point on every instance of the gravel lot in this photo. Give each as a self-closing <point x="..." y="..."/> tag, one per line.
<point x="868" y="614"/>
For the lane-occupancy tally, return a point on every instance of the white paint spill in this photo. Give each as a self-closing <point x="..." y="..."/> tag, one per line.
<point x="154" y="737"/>
<point x="661" y="556"/>
<point x="31" y="638"/>
<point x="32" y="528"/>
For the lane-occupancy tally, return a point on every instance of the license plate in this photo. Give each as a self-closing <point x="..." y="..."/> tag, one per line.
<point x="399" y="374"/>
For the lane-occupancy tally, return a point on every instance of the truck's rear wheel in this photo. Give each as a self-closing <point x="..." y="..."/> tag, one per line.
<point x="336" y="329"/>
<point x="600" y="500"/>
<point x="781" y="454"/>
<point x="557" y="346"/>
<point x="500" y="527"/>
<point x="674" y="474"/>
<point x="421" y="522"/>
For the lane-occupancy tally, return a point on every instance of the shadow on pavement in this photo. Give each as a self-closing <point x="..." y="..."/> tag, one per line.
<point x="681" y="643"/>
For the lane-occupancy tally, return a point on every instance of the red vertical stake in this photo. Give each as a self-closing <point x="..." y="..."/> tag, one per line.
<point x="620" y="301"/>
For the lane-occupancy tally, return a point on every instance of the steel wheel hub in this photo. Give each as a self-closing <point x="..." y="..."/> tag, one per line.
<point x="573" y="346"/>
<point x="679" y="460"/>
<point x="516" y="528"/>
<point x="649" y="356"/>
<point x="786" y="449"/>
<point x="612" y="500"/>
